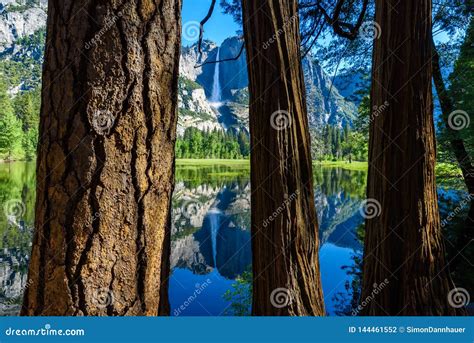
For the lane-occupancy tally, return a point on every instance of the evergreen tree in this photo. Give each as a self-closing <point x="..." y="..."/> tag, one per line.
<point x="11" y="134"/>
<point x="462" y="88"/>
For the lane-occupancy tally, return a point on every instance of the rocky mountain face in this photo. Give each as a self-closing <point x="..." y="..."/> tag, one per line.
<point x="211" y="96"/>
<point x="13" y="280"/>
<point x="19" y="19"/>
<point x="353" y="87"/>
<point x="194" y="108"/>
<point x="211" y="229"/>
<point x="211" y="223"/>
<point x="326" y="105"/>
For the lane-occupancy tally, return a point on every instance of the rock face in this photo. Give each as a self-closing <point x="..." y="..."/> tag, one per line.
<point x="233" y="74"/>
<point x="194" y="108"/>
<point x="353" y="86"/>
<point x="325" y="104"/>
<point x="23" y="19"/>
<point x="211" y="229"/>
<point x="19" y="20"/>
<point x="13" y="280"/>
<point x="200" y="211"/>
<point x="190" y="58"/>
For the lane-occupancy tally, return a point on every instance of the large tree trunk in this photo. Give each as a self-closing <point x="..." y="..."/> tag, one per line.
<point x="106" y="159"/>
<point x="284" y="223"/>
<point x="404" y="248"/>
<point x="459" y="150"/>
<point x="456" y="142"/>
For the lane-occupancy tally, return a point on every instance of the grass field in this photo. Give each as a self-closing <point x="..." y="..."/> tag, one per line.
<point x="448" y="175"/>
<point x="355" y="165"/>
<point x="210" y="162"/>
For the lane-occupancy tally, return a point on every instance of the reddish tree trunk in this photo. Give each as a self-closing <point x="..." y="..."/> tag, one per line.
<point x="403" y="242"/>
<point x="284" y="223"/>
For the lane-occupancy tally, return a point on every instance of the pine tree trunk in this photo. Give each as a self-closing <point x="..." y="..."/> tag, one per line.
<point x="404" y="249"/>
<point x="106" y="159"/>
<point x="286" y="277"/>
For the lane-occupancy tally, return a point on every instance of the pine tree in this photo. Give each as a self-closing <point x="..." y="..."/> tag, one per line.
<point x="105" y="171"/>
<point x="11" y="134"/>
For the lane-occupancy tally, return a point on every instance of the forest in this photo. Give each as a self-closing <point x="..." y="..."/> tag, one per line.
<point x="318" y="163"/>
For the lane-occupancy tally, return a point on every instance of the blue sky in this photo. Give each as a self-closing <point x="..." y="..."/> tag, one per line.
<point x="218" y="28"/>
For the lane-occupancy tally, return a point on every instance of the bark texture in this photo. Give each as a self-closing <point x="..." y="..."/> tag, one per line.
<point x="459" y="150"/>
<point x="404" y="247"/>
<point x="106" y="159"/>
<point x="457" y="144"/>
<point x="284" y="223"/>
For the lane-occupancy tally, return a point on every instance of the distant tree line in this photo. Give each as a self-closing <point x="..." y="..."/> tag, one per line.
<point x="19" y="118"/>
<point x="213" y="144"/>
<point x="349" y="143"/>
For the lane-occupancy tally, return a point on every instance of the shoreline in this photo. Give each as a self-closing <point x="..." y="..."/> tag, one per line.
<point x="446" y="173"/>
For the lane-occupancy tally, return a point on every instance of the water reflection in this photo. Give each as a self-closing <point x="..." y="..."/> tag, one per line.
<point x="215" y="236"/>
<point x="17" y="194"/>
<point x="211" y="236"/>
<point x="211" y="248"/>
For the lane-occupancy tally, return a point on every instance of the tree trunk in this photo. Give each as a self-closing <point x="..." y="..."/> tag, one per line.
<point x="459" y="150"/>
<point x="286" y="278"/>
<point x="404" y="251"/>
<point x="106" y="159"/>
<point x="457" y="144"/>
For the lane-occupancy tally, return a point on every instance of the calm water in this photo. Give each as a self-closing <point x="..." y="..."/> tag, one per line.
<point x="211" y="247"/>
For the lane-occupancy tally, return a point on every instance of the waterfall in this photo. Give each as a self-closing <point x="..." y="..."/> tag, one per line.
<point x="214" y="215"/>
<point x="216" y="86"/>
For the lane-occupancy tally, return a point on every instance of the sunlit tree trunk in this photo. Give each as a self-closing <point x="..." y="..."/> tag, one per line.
<point x="286" y="276"/>
<point x="106" y="159"/>
<point x="404" y="251"/>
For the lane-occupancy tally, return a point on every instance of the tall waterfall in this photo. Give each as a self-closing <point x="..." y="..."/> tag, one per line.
<point x="216" y="86"/>
<point x="214" y="216"/>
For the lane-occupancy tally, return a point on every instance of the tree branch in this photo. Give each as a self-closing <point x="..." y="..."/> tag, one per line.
<point x="204" y="21"/>
<point x="223" y="60"/>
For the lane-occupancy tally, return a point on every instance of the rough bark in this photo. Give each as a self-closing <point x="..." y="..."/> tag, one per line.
<point x="457" y="144"/>
<point x="403" y="243"/>
<point x="458" y="148"/>
<point x="106" y="159"/>
<point x="286" y="277"/>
